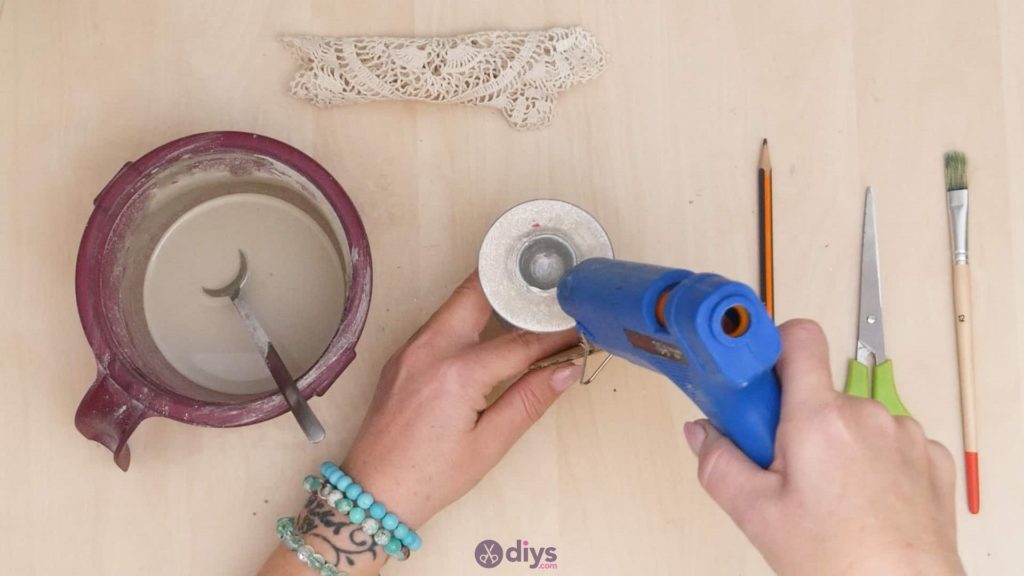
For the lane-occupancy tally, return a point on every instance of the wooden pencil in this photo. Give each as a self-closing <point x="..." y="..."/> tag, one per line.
<point x="766" y="252"/>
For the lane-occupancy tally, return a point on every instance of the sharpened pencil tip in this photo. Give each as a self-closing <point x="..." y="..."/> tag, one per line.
<point x="764" y="142"/>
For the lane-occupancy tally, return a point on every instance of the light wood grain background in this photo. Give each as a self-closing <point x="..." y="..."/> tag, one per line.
<point x="662" y="149"/>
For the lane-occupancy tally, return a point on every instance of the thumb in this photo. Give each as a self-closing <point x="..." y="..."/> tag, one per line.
<point x="522" y="404"/>
<point x="733" y="481"/>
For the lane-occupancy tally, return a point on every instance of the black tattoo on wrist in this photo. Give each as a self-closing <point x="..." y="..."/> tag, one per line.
<point x="323" y="522"/>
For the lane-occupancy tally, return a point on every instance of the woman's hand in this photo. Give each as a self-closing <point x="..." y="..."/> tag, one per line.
<point x="852" y="490"/>
<point x="429" y="435"/>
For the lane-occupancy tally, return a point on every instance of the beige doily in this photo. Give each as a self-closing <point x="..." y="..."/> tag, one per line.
<point x="520" y="73"/>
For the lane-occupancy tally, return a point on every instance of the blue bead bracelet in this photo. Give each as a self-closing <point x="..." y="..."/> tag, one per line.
<point x="341" y="492"/>
<point x="370" y="526"/>
<point x="371" y="510"/>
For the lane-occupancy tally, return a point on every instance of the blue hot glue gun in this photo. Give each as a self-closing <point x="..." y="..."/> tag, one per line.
<point x="545" y="266"/>
<point x="711" y="336"/>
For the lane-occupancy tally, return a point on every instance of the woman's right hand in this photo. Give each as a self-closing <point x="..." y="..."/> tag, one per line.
<point x="853" y="490"/>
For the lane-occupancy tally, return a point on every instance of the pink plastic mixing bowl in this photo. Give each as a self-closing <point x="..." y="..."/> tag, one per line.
<point x="134" y="381"/>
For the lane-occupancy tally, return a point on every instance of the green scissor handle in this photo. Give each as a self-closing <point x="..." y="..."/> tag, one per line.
<point x="857" y="384"/>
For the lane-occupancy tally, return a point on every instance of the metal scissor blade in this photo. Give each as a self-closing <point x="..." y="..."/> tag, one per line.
<point x="870" y="338"/>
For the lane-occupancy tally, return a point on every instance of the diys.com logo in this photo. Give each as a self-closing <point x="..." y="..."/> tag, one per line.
<point x="490" y="553"/>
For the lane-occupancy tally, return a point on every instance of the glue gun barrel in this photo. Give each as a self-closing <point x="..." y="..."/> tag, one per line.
<point x="711" y="336"/>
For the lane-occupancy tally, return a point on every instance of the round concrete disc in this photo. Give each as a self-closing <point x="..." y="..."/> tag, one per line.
<point x="527" y="251"/>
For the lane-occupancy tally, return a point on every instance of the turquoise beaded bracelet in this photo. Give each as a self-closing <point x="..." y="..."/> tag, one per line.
<point x="333" y="497"/>
<point x="293" y="540"/>
<point x="362" y="500"/>
<point x="375" y="521"/>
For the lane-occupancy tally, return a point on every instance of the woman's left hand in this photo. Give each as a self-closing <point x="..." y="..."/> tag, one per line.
<point x="429" y="435"/>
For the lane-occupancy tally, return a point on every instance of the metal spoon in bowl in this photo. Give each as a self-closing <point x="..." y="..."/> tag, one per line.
<point x="285" y="383"/>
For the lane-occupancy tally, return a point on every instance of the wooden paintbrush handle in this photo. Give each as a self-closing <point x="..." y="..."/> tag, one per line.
<point x="965" y="358"/>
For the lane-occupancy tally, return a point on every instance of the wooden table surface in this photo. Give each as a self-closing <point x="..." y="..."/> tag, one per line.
<point x="662" y="148"/>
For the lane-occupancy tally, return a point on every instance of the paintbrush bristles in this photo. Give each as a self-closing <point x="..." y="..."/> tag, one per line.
<point x="956" y="170"/>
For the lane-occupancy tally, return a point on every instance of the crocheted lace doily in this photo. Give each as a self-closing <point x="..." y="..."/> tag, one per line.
<point x="519" y="73"/>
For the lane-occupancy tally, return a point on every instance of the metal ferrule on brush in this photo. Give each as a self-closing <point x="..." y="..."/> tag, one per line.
<point x="958" y="223"/>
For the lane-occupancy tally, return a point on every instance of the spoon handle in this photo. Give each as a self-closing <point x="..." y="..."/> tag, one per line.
<point x="285" y="383"/>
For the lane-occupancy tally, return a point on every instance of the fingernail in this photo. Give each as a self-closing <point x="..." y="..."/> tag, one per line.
<point x="695" y="436"/>
<point x="565" y="376"/>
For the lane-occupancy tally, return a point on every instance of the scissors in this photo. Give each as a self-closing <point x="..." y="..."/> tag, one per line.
<point x="861" y="380"/>
<point x="489" y="558"/>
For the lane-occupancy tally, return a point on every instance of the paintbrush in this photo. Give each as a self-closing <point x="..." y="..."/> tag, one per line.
<point x="956" y="197"/>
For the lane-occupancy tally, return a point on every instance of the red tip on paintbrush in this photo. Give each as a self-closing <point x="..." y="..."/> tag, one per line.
<point x="973" y="484"/>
